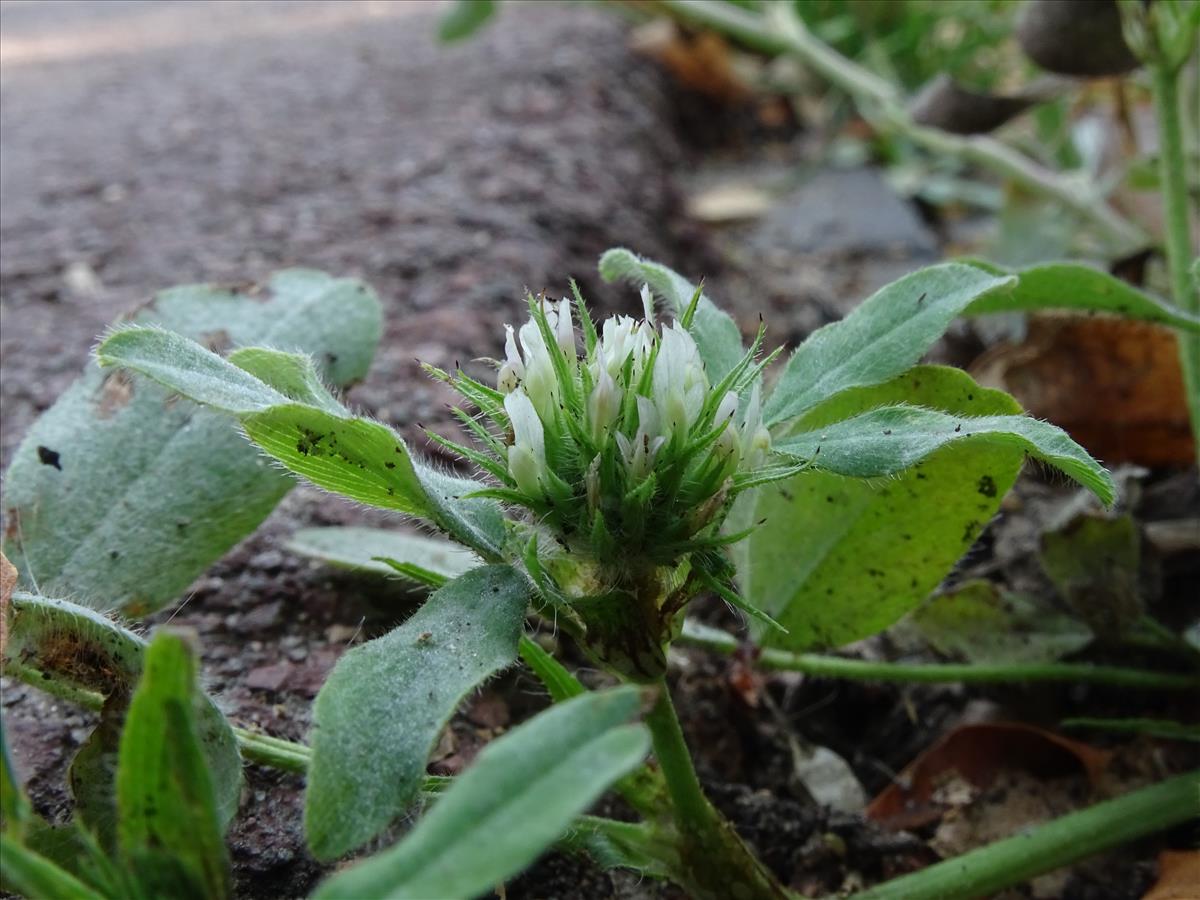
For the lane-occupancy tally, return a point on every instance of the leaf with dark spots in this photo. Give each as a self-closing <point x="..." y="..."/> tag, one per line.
<point x="73" y="648"/>
<point x="48" y="457"/>
<point x="520" y="795"/>
<point x="132" y="460"/>
<point x="1095" y="562"/>
<point x="169" y="827"/>
<point x="880" y="340"/>
<point x="285" y="413"/>
<point x="978" y="623"/>
<point x="854" y="447"/>
<point x="832" y="529"/>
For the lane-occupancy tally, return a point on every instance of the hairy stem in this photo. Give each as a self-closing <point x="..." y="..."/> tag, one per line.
<point x="714" y="862"/>
<point x="878" y="101"/>
<point x="1179" y="248"/>
<point x="995" y="673"/>
<point x="1051" y="846"/>
<point x="268" y="751"/>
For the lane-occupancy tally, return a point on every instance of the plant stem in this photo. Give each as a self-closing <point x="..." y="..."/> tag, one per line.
<point x="714" y="862"/>
<point x="994" y="673"/>
<point x="643" y="788"/>
<point x="676" y="762"/>
<point x="878" y="101"/>
<point x="1051" y="846"/>
<point x="268" y="751"/>
<point x="1173" y="181"/>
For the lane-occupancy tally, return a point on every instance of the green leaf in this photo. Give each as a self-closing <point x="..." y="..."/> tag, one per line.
<point x="880" y="339"/>
<point x="315" y="438"/>
<point x="292" y="374"/>
<point x="622" y="845"/>
<point x="520" y="795"/>
<point x="71" y="650"/>
<point x="1078" y="287"/>
<point x="379" y="714"/>
<point x="1159" y="728"/>
<point x="891" y="439"/>
<point x="1095" y="562"/>
<point x="34" y="876"/>
<point x="980" y="624"/>
<point x="15" y="811"/>
<point x="168" y="826"/>
<point x="559" y="683"/>
<point x="464" y="19"/>
<point x="120" y="495"/>
<point x="843" y="558"/>
<point x="716" y="335"/>
<point x="365" y="549"/>
<point x="92" y="774"/>
<point x="75" y="850"/>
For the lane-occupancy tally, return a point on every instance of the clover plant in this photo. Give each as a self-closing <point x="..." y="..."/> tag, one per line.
<point x="622" y="469"/>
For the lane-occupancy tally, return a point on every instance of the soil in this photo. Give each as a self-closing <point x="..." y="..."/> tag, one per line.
<point x="148" y="144"/>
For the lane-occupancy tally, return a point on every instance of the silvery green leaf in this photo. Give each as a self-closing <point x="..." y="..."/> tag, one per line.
<point x="519" y="796"/>
<point x="884" y="336"/>
<point x="379" y="714"/>
<point x="121" y="493"/>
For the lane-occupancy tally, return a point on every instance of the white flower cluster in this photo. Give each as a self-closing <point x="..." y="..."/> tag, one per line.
<point x="646" y="390"/>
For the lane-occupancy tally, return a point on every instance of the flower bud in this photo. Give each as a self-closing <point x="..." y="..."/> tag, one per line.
<point x="512" y="370"/>
<point x="540" y="383"/>
<point x="727" y="409"/>
<point x="592" y="485"/>
<point x="679" y="382"/>
<point x="527" y="455"/>
<point x="603" y="405"/>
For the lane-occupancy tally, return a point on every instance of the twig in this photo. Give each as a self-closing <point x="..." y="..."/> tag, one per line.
<point x="933" y="673"/>
<point x="1051" y="846"/>
<point x="782" y="32"/>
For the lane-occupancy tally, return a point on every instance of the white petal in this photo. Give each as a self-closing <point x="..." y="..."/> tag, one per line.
<point x="603" y="404"/>
<point x="564" y="331"/>
<point x="527" y="427"/>
<point x="525" y="470"/>
<point x="649" y="422"/>
<point x="726" y="410"/>
<point x="647" y="304"/>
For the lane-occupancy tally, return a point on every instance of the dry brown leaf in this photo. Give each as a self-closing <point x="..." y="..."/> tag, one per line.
<point x="1114" y="384"/>
<point x="971" y="757"/>
<point x="8" y="583"/>
<point x="702" y="62"/>
<point x="1178" y="876"/>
